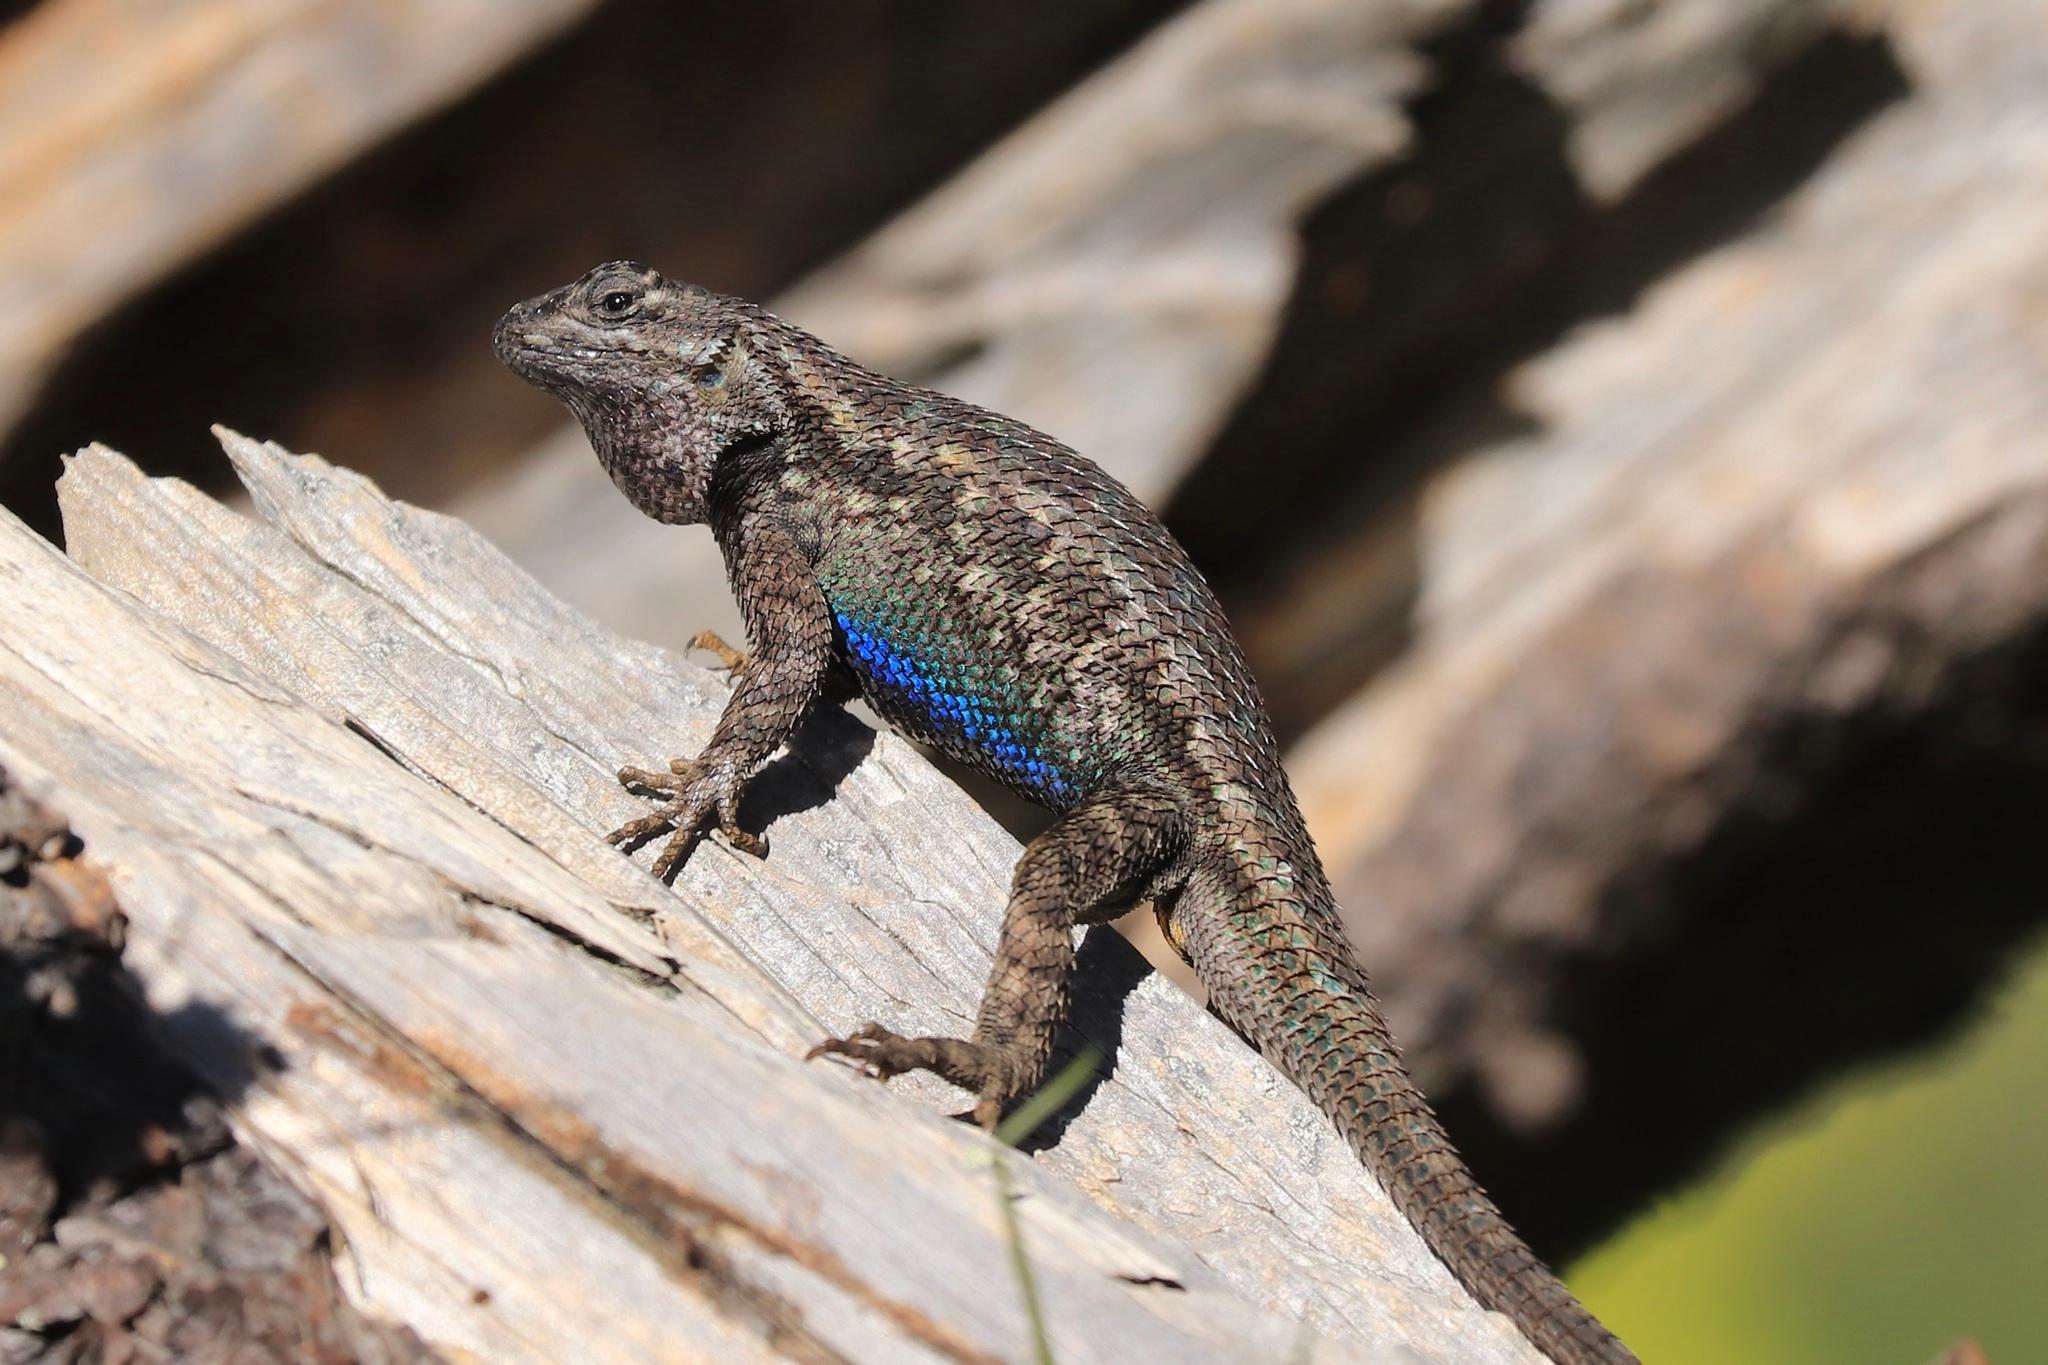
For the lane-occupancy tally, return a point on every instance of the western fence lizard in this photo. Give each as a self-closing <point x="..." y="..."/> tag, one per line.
<point x="997" y="596"/>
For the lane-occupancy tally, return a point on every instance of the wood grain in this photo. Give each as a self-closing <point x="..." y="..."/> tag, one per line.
<point x="349" y="768"/>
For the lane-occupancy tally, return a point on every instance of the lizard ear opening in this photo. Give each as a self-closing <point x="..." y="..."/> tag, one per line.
<point x="716" y="361"/>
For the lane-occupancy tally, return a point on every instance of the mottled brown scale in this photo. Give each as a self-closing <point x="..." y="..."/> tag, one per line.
<point x="993" y="593"/>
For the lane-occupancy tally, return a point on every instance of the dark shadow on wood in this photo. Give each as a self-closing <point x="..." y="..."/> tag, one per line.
<point x="89" y="1075"/>
<point x="1422" y="286"/>
<point x="1106" y="971"/>
<point x="738" y="154"/>
<point x="1859" y="903"/>
<point x="820" y="756"/>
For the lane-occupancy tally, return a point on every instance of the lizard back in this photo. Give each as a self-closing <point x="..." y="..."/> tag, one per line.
<point x="1004" y="599"/>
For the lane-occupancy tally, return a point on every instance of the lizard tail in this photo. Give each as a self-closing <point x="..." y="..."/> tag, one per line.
<point x="1383" y="1115"/>
<point x="1306" y="1005"/>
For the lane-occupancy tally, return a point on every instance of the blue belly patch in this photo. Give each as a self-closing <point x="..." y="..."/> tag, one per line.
<point x="951" y="704"/>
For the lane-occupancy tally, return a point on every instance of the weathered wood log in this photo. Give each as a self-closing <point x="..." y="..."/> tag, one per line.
<point x="1424" y="288"/>
<point x="348" y="768"/>
<point x="166" y="126"/>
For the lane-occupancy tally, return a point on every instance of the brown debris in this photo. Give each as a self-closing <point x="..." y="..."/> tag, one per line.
<point x="132" y="1227"/>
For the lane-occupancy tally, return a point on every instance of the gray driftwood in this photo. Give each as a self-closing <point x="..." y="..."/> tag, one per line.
<point x="348" y="767"/>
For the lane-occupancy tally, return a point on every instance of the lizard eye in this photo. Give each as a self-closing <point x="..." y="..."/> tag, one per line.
<point x="710" y="376"/>
<point x="618" y="304"/>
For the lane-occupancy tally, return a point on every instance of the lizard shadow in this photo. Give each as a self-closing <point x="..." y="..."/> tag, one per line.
<point x="1106" y="970"/>
<point x="826" y="748"/>
<point x="823" y="752"/>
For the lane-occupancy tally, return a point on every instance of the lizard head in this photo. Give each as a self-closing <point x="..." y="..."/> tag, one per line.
<point x="664" y="376"/>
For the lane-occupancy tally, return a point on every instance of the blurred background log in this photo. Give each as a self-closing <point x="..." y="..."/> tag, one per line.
<point x="1724" y="667"/>
<point x="134" y="137"/>
<point x="356" y="317"/>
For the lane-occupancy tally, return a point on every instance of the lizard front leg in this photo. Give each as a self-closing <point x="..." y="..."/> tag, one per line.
<point x="1089" y="866"/>
<point x="791" y="631"/>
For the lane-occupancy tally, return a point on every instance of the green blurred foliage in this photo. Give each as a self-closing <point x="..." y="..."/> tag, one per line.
<point x="1874" y="1224"/>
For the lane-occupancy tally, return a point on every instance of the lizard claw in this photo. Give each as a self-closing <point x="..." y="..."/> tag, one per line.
<point x="702" y="793"/>
<point x="671" y="783"/>
<point x="633" y="831"/>
<point x="751" y="844"/>
<point x="880" y="1053"/>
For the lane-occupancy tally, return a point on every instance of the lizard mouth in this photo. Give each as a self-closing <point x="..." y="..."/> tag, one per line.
<point x="529" y="351"/>
<point x="528" y="359"/>
<point x="559" y="370"/>
<point x="525" y="346"/>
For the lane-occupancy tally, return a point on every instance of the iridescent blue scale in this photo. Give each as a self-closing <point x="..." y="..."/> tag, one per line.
<point x="949" y="703"/>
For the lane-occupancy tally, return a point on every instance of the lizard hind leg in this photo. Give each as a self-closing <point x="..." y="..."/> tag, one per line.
<point x="1089" y="866"/>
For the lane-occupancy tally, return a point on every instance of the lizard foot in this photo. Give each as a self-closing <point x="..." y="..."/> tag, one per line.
<point x="700" y="792"/>
<point x="882" y="1054"/>
<point x="711" y="642"/>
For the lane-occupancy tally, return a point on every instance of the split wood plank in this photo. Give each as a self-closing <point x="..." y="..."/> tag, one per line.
<point x="350" y="768"/>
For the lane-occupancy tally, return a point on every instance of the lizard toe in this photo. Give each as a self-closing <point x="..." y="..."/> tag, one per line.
<point x="671" y="783"/>
<point x="677" y="850"/>
<point x="880" y="1053"/>
<point x="646" y="826"/>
